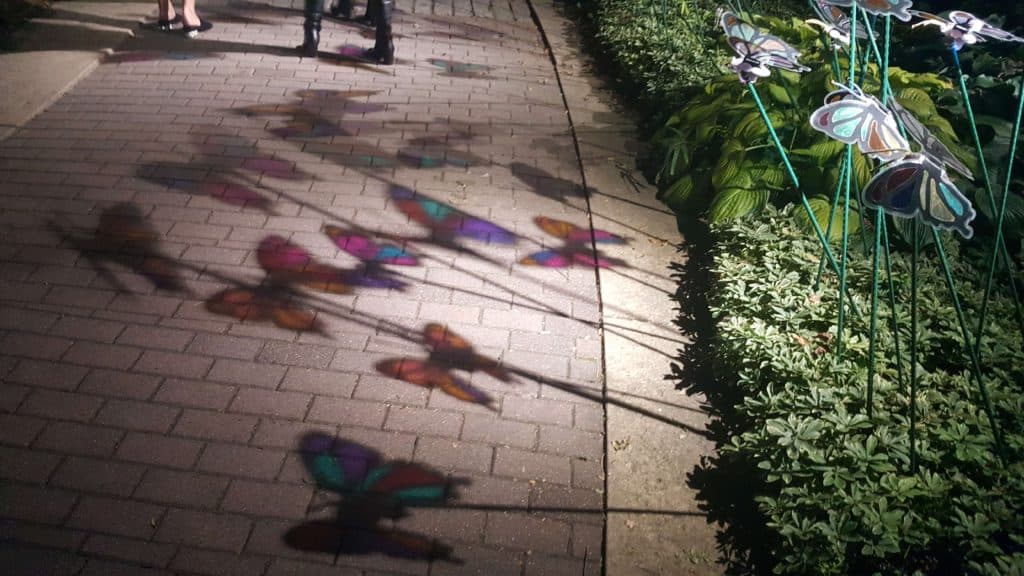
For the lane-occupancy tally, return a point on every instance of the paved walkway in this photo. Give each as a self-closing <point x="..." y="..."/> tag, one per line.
<point x="271" y="315"/>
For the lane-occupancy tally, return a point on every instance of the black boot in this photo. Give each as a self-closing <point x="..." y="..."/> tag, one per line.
<point x="342" y="9"/>
<point x="314" y="14"/>
<point x="384" y="48"/>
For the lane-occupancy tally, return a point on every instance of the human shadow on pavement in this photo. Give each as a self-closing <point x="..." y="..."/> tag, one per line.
<point x="369" y="492"/>
<point x="124" y="237"/>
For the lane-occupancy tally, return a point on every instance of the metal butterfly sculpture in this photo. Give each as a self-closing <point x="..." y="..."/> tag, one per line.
<point x="372" y="492"/>
<point x="909" y="183"/>
<point x="964" y="28"/>
<point x="834" y="22"/>
<point x="448" y="352"/>
<point x="899" y="9"/>
<point x="756" y="51"/>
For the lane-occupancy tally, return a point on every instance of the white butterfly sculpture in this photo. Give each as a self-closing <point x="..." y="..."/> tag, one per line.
<point x="964" y="28"/>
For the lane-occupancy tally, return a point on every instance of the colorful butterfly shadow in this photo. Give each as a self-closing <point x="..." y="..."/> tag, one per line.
<point x="123" y="236"/>
<point x="370" y="491"/>
<point x="274" y="303"/>
<point x="448" y="352"/>
<point x="456" y="69"/>
<point x="373" y="256"/>
<point x="930" y="145"/>
<point x="896" y="8"/>
<point x="290" y="264"/>
<point x="916" y="185"/>
<point x="852" y="117"/>
<point x="436" y="152"/>
<point x="834" y="22"/>
<point x="576" y="249"/>
<point x="963" y="28"/>
<point x="445" y="222"/>
<point x="756" y="51"/>
<point x="224" y="185"/>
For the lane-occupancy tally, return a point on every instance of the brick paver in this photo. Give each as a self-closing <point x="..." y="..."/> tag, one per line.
<point x="161" y="368"/>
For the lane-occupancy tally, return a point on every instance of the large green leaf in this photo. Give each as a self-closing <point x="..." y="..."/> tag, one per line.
<point x="822" y="208"/>
<point x="679" y="193"/>
<point x="733" y="203"/>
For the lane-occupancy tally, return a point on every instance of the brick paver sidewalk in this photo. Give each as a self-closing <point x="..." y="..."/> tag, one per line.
<point x="240" y="289"/>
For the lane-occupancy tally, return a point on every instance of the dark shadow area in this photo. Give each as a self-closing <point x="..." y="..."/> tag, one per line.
<point x="723" y="485"/>
<point x="266" y="302"/>
<point x="370" y="491"/>
<point x="448" y="352"/>
<point x="125" y="238"/>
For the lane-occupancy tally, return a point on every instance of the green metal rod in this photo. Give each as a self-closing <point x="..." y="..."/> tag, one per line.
<point x="913" y="347"/>
<point x="873" y="330"/>
<point x="841" y="324"/>
<point x="845" y="246"/>
<point x="831" y="220"/>
<point x="1000" y="243"/>
<point x="796" y="182"/>
<point x="999" y="229"/>
<point x="975" y="362"/>
<point x="892" y="304"/>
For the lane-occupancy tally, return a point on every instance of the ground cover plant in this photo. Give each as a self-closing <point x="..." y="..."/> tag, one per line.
<point x="838" y="490"/>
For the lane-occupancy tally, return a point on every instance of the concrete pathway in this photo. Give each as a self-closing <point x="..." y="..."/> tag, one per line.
<point x="271" y="315"/>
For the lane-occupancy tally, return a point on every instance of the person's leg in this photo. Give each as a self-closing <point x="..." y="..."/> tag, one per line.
<point x="314" y="12"/>
<point x="342" y="9"/>
<point x="166" y="15"/>
<point x="384" y="47"/>
<point x="188" y="13"/>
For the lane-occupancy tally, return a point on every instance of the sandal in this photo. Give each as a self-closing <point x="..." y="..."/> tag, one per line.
<point x="165" y="25"/>
<point x="193" y="31"/>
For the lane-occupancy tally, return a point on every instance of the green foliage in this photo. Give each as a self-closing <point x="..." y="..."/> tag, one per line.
<point x="835" y="486"/>
<point x="661" y="48"/>
<point x="719" y="142"/>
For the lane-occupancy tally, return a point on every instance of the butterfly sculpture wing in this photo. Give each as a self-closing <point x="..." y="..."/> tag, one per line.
<point x="448" y="221"/>
<point x="930" y="145"/>
<point x="833" y="16"/>
<point x="917" y="186"/>
<point x="853" y="118"/>
<point x="895" y="8"/>
<point x="427" y="374"/>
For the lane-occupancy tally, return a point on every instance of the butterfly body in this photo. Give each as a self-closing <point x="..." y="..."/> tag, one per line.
<point x="916" y="185"/>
